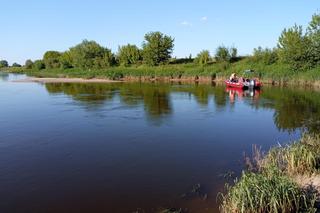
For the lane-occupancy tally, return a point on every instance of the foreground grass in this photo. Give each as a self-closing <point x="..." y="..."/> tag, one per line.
<point x="275" y="72"/>
<point x="270" y="184"/>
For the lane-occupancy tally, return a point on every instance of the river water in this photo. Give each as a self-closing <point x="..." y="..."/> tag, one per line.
<point x="136" y="147"/>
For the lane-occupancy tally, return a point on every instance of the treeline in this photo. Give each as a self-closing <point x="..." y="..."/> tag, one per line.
<point x="156" y="49"/>
<point x="298" y="48"/>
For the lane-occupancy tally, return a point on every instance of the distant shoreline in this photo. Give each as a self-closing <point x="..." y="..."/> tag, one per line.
<point x="164" y="79"/>
<point x="66" y="80"/>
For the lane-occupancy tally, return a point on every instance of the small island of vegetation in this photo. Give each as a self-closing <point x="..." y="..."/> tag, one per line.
<point x="295" y="59"/>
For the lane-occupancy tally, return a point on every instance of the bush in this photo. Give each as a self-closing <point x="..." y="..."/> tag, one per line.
<point x="266" y="56"/>
<point x="203" y="57"/>
<point x="4" y="63"/>
<point x="129" y="54"/>
<point x="89" y="54"/>
<point x="65" y="60"/>
<point x="39" y="65"/>
<point x="222" y="54"/>
<point x="28" y="64"/>
<point x="51" y="59"/>
<point x="16" y="65"/>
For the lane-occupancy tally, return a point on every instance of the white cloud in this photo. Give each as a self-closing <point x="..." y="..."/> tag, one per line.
<point x="186" y="23"/>
<point x="204" y="18"/>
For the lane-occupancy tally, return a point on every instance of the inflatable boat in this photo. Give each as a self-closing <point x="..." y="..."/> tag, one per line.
<point x="244" y="83"/>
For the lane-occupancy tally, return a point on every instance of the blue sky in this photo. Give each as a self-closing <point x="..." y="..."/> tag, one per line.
<point x="29" y="28"/>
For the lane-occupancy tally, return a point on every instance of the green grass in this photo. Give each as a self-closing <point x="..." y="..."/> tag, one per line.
<point x="271" y="186"/>
<point x="275" y="72"/>
<point x="301" y="157"/>
<point x="269" y="191"/>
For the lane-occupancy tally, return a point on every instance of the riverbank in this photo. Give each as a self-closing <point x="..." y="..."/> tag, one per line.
<point x="286" y="179"/>
<point x="189" y="72"/>
<point x="65" y="80"/>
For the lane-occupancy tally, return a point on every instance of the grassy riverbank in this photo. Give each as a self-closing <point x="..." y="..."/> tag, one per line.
<point x="278" y="73"/>
<point x="286" y="179"/>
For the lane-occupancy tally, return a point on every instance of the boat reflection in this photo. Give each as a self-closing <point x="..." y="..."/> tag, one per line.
<point x="240" y="94"/>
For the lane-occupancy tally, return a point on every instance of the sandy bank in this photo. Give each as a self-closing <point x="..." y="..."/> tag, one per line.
<point x="66" y="80"/>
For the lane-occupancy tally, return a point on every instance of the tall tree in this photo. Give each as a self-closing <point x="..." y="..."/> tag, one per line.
<point x="293" y="46"/>
<point x="313" y="32"/>
<point x="157" y="48"/>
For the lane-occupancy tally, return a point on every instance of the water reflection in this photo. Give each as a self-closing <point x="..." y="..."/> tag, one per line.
<point x="4" y="76"/>
<point x="241" y="94"/>
<point x="293" y="109"/>
<point x="92" y="144"/>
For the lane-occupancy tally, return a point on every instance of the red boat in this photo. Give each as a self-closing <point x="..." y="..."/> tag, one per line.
<point x="244" y="83"/>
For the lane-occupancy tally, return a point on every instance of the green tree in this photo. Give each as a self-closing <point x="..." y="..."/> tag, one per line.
<point x="51" y="59"/>
<point x="129" y="54"/>
<point x="313" y="33"/>
<point x="157" y="48"/>
<point x="293" y="47"/>
<point x="16" y="65"/>
<point x="203" y="57"/>
<point x="108" y="59"/>
<point x="266" y="56"/>
<point x="314" y="25"/>
<point x="39" y="65"/>
<point x="4" y="63"/>
<point x="28" y="64"/>
<point x="89" y="54"/>
<point x="233" y="52"/>
<point x="222" y="54"/>
<point x="65" y="60"/>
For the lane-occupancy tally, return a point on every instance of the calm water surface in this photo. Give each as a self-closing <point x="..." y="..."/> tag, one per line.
<point x="131" y="147"/>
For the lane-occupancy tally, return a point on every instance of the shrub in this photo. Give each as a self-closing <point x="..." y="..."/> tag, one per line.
<point x="4" y="63"/>
<point x="266" y="56"/>
<point x="89" y="54"/>
<point x="28" y="64"/>
<point x="129" y="54"/>
<point x="39" y="65"/>
<point x="51" y="59"/>
<point x="16" y="65"/>
<point x="203" y="57"/>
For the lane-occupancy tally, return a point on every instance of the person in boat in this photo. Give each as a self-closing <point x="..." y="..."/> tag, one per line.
<point x="233" y="77"/>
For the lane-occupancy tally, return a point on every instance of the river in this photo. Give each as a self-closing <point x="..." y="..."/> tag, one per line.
<point x="136" y="147"/>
